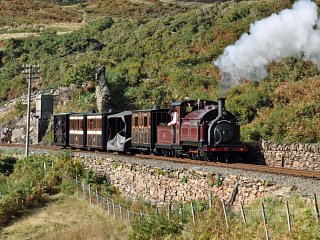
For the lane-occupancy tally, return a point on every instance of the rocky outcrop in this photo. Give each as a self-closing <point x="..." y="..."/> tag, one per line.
<point x="102" y="91"/>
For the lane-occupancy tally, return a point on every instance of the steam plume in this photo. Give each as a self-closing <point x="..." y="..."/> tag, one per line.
<point x="291" y="33"/>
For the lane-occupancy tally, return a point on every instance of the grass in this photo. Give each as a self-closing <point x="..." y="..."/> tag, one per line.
<point x="66" y="218"/>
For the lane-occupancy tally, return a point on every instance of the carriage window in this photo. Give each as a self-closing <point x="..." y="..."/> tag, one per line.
<point x="145" y="121"/>
<point x="136" y="121"/>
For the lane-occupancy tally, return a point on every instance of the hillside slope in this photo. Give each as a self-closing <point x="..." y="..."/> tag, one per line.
<point x="157" y="52"/>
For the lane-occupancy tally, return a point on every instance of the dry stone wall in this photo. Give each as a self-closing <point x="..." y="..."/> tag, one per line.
<point x="295" y="155"/>
<point x="160" y="186"/>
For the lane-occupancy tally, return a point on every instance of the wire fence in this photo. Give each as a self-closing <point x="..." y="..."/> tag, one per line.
<point x="290" y="215"/>
<point x="191" y="212"/>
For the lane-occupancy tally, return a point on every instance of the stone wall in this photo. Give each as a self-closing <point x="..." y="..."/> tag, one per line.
<point x="295" y="155"/>
<point x="158" y="185"/>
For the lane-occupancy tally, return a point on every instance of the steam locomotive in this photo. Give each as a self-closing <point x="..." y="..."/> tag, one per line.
<point x="198" y="129"/>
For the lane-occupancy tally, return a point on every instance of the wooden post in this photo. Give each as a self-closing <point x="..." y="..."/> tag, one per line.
<point x="141" y="214"/>
<point x="113" y="209"/>
<point x="108" y="206"/>
<point x="181" y="213"/>
<point x="77" y="185"/>
<point x="243" y="214"/>
<point x="90" y="200"/>
<point x="193" y="214"/>
<point x="225" y="213"/>
<point x="83" y="190"/>
<point x="210" y="200"/>
<point x="288" y="216"/>
<point x="120" y="211"/>
<point x="169" y="211"/>
<point x="264" y="221"/>
<point x="97" y="197"/>
<point x="316" y="208"/>
<point x="45" y="169"/>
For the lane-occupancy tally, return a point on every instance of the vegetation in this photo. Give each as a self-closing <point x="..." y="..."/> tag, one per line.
<point x="156" y="53"/>
<point x="211" y="224"/>
<point x="26" y="185"/>
<point x="80" y="221"/>
<point x="28" y="182"/>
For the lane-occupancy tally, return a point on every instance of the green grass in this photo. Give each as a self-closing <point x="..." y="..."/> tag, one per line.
<point x="65" y="217"/>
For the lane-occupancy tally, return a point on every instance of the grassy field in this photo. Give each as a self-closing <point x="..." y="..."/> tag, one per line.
<point x="66" y="218"/>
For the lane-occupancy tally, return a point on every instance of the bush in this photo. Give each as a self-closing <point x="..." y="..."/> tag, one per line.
<point x="157" y="226"/>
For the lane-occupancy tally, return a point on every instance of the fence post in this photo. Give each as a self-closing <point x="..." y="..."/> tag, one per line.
<point x="210" y="200"/>
<point x="264" y="221"/>
<point x="193" y="214"/>
<point x="97" y="197"/>
<point x="225" y="213"/>
<point x="45" y="169"/>
<point x="128" y="213"/>
<point x="316" y="208"/>
<point x="169" y="211"/>
<point x="83" y="190"/>
<point x="108" y="206"/>
<point x="181" y="213"/>
<point x="243" y="213"/>
<point x="120" y="211"/>
<point x="90" y="200"/>
<point x="288" y="216"/>
<point x="113" y="209"/>
<point x="77" y="185"/>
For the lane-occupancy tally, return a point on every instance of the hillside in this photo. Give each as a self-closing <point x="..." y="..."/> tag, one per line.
<point x="158" y="52"/>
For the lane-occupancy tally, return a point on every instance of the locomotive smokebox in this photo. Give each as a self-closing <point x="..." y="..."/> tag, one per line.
<point x="221" y="106"/>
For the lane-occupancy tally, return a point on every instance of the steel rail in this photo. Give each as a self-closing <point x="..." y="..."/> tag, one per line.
<point x="239" y="166"/>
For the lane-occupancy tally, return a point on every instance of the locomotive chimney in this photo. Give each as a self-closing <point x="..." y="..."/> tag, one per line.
<point x="221" y="106"/>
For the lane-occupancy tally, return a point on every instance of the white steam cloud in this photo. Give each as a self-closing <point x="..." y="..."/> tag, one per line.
<point x="291" y="33"/>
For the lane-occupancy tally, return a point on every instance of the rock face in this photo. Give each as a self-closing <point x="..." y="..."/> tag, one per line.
<point x="102" y="91"/>
<point x="295" y="155"/>
<point x="159" y="186"/>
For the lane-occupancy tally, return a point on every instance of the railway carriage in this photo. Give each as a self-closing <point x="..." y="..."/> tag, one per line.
<point x="119" y="132"/>
<point x="144" y="128"/>
<point x="61" y="129"/>
<point x="77" y="130"/>
<point x="97" y="130"/>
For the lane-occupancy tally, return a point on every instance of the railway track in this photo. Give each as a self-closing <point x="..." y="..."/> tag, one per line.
<point x="240" y="166"/>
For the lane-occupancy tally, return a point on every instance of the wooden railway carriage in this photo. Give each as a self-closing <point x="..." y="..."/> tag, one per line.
<point x="77" y="130"/>
<point x="144" y="127"/>
<point x="61" y="129"/>
<point x="119" y="132"/>
<point x="97" y="130"/>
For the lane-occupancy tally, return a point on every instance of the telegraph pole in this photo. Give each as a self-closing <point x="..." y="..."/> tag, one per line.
<point x="30" y="72"/>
